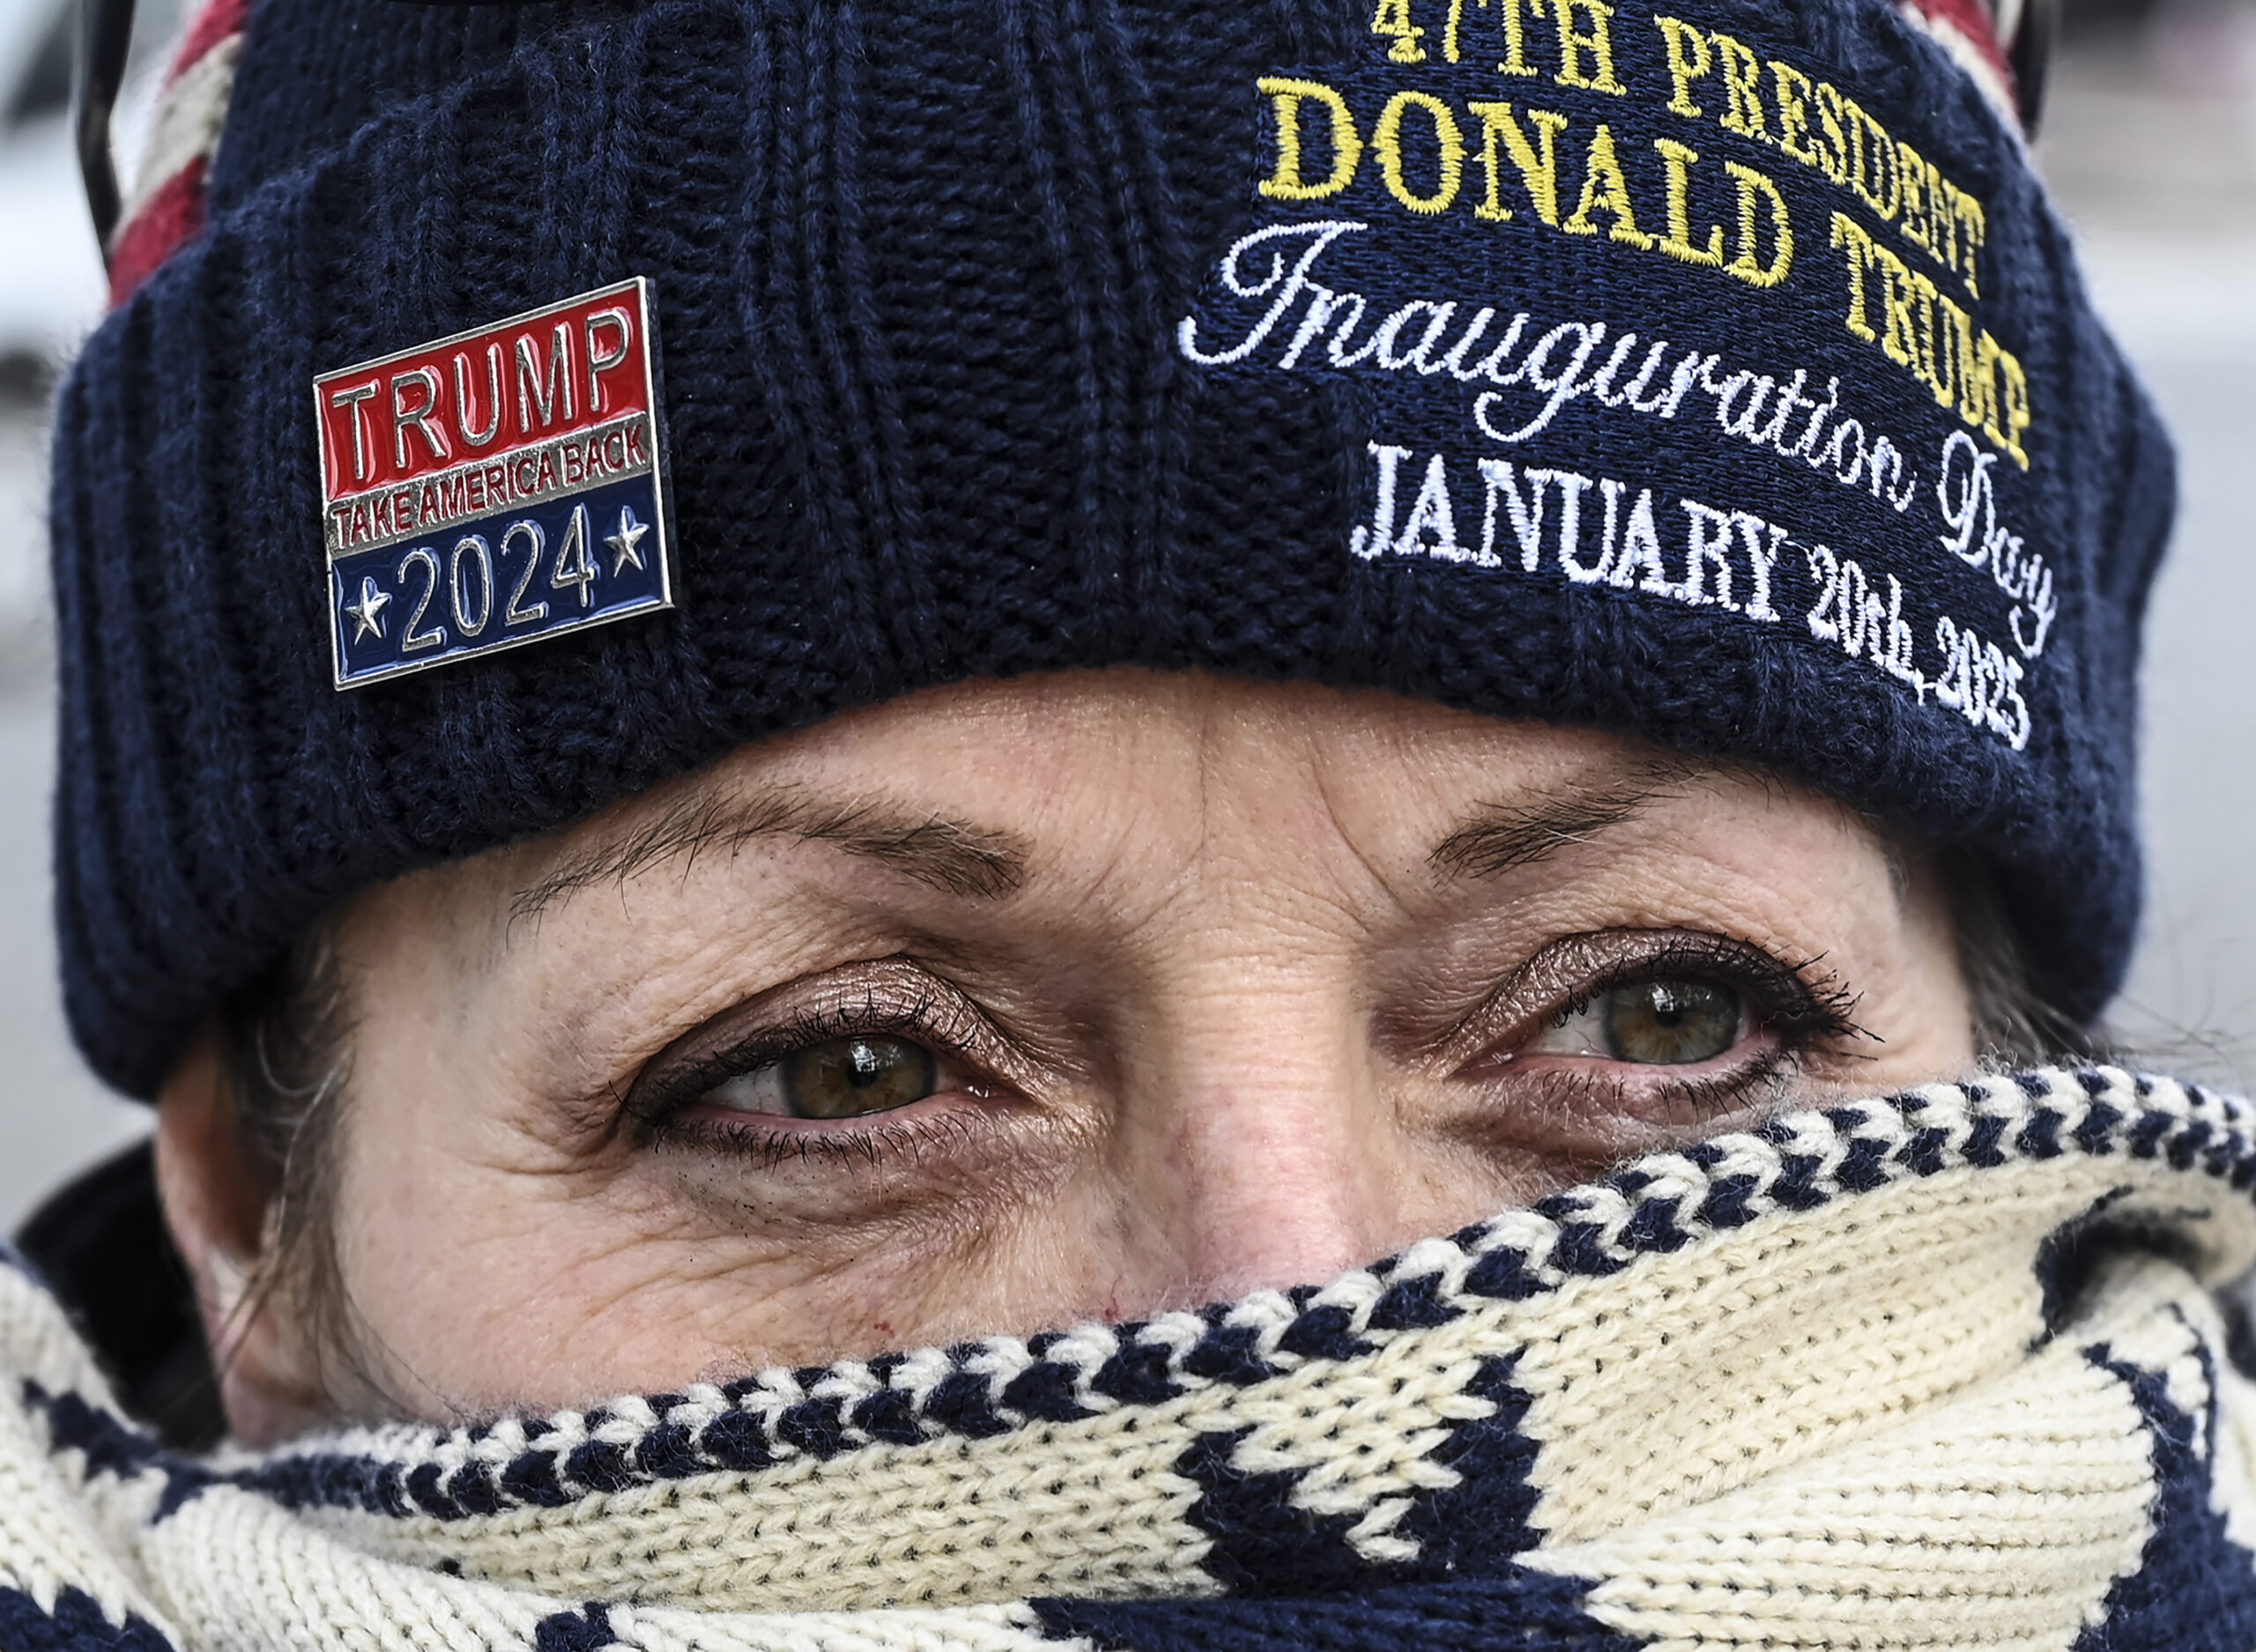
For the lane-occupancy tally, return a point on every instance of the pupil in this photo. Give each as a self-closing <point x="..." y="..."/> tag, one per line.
<point x="1671" y="1023"/>
<point x="846" y="1077"/>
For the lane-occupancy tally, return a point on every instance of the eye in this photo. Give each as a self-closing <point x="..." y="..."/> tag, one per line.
<point x="838" y="1079"/>
<point x="1665" y="1021"/>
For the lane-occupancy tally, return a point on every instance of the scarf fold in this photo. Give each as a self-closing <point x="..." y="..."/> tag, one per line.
<point x="1946" y="1368"/>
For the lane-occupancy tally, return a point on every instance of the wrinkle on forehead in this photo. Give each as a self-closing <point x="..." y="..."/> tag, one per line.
<point x="1566" y="787"/>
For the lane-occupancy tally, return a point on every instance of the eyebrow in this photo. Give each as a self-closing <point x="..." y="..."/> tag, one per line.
<point x="954" y="856"/>
<point x="1499" y="837"/>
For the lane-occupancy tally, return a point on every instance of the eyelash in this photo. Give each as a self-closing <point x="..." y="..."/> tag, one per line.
<point x="942" y="1021"/>
<point x="863" y="1147"/>
<point x="1803" y="1009"/>
<point x="1785" y="996"/>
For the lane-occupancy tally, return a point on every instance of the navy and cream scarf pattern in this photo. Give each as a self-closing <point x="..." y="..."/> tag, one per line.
<point x="1948" y="1369"/>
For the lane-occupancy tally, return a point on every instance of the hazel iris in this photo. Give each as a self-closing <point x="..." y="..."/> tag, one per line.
<point x="1670" y="1023"/>
<point x="846" y="1077"/>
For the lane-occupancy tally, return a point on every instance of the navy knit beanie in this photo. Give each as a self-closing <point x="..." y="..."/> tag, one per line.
<point x="1711" y="370"/>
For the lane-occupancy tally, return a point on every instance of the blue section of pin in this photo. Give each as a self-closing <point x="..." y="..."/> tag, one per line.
<point x="484" y="585"/>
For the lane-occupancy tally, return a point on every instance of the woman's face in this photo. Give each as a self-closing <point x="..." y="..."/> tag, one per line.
<point x="1012" y="1004"/>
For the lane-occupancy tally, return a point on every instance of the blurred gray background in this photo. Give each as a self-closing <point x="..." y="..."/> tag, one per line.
<point x="2149" y="141"/>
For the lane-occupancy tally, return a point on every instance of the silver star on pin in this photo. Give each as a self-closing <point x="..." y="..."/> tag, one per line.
<point x="368" y="613"/>
<point x="626" y="543"/>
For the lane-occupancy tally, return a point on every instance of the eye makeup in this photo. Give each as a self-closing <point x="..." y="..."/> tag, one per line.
<point x="1601" y="1043"/>
<point x="1597" y="1044"/>
<point x="847" y="1067"/>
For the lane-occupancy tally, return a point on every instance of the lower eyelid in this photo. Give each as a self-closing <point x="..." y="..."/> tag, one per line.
<point x="1606" y="1112"/>
<point x="1755" y="1041"/>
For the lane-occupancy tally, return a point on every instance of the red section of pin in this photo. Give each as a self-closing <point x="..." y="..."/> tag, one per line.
<point x="482" y="395"/>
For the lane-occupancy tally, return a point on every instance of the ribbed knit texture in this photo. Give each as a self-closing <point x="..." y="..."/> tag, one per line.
<point x="918" y="274"/>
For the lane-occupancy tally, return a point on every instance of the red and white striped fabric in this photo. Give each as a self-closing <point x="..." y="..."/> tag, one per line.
<point x="166" y="204"/>
<point x="1975" y="34"/>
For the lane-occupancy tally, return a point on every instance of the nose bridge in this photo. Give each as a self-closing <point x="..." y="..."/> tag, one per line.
<point x="1257" y="1137"/>
<point x="1258" y="1140"/>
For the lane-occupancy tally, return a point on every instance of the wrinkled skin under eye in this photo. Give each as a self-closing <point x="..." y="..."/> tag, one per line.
<point x="837" y="1078"/>
<point x="1663" y="1022"/>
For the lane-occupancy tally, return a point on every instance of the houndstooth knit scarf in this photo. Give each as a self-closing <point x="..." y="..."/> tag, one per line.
<point x="1943" y="1369"/>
